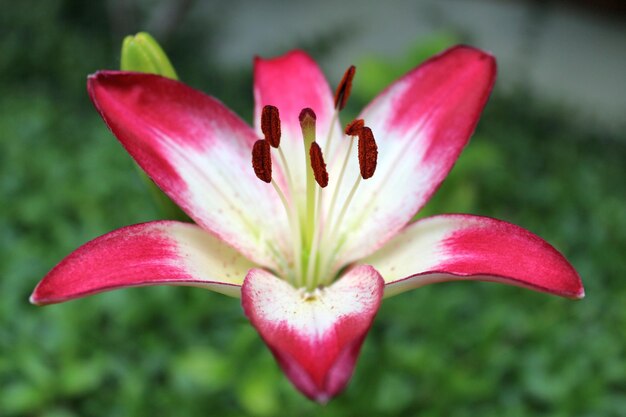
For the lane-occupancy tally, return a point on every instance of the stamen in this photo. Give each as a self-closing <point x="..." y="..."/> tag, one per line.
<point x="262" y="160"/>
<point x="318" y="165"/>
<point x="343" y="89"/>
<point x="368" y="153"/>
<point x="354" y="127"/>
<point x="270" y="125"/>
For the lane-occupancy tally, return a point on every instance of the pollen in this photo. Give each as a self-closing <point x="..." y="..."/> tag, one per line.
<point x="368" y="153"/>
<point x="270" y="125"/>
<point x="318" y="165"/>
<point x="343" y="89"/>
<point x="262" y="160"/>
<point x="354" y="127"/>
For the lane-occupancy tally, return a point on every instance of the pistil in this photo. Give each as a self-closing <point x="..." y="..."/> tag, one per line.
<point x="307" y="124"/>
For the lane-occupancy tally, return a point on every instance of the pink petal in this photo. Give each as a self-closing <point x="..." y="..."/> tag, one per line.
<point x="155" y="253"/>
<point x="459" y="247"/>
<point x="421" y="124"/>
<point x="316" y="340"/>
<point x="199" y="153"/>
<point x="293" y="82"/>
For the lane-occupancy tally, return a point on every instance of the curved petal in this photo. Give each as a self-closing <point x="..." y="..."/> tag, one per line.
<point x="459" y="247"/>
<point x="421" y="124"/>
<point x="155" y="253"/>
<point x="199" y="153"/>
<point x="292" y="82"/>
<point x="315" y="337"/>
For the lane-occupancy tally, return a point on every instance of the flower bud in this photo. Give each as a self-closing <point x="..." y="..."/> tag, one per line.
<point x="142" y="53"/>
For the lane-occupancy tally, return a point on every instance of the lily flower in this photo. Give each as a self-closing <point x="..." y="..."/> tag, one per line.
<point x="318" y="228"/>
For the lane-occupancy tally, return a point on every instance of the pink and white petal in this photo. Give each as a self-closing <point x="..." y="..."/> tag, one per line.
<point x="199" y="153"/>
<point x="292" y="82"/>
<point x="155" y="253"/>
<point x="421" y="124"/>
<point x="459" y="247"/>
<point x="315" y="337"/>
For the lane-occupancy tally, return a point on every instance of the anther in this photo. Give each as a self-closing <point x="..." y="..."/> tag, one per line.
<point x="318" y="165"/>
<point x="354" y="127"/>
<point x="262" y="160"/>
<point x="368" y="153"/>
<point x="270" y="125"/>
<point x="343" y="89"/>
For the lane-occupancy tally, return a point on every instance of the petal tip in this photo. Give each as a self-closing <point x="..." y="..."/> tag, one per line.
<point x="580" y="294"/>
<point x="41" y="295"/>
<point x="98" y="78"/>
<point x="291" y="54"/>
<point x="33" y="299"/>
<point x="480" y="53"/>
<point x="480" y="56"/>
<point x="100" y="74"/>
<point x="322" y="398"/>
<point x="37" y="299"/>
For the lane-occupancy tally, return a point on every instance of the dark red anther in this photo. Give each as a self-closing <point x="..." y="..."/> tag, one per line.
<point x="262" y="160"/>
<point x="270" y="125"/>
<point x="343" y="89"/>
<point x="354" y="127"/>
<point x="368" y="153"/>
<point x="318" y="165"/>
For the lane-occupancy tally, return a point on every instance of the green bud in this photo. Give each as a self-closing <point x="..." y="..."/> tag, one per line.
<point x="142" y="53"/>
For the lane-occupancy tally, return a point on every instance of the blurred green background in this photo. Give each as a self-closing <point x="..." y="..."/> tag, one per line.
<point x="458" y="349"/>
